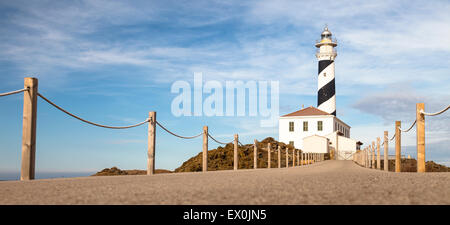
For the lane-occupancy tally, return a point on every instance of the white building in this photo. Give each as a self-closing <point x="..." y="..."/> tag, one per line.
<point x="318" y="130"/>
<point x="313" y="130"/>
<point x="293" y="127"/>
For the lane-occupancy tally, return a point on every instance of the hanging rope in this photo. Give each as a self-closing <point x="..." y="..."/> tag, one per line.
<point x="89" y="122"/>
<point x="392" y="138"/>
<point x="14" y="92"/>
<point x="222" y="143"/>
<point x="436" y="113"/>
<point x="412" y="125"/>
<point x="176" y="135"/>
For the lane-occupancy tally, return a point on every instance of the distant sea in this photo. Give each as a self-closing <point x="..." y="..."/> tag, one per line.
<point x="44" y="175"/>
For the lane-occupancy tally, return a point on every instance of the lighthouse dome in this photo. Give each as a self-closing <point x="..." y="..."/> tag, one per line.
<point x="326" y="33"/>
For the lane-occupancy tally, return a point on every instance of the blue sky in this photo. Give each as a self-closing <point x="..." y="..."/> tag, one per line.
<point x="112" y="62"/>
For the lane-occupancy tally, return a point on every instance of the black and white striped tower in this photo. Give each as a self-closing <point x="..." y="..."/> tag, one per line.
<point x="326" y="96"/>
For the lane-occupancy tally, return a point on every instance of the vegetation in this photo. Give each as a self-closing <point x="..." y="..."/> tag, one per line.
<point x="410" y="165"/>
<point x="113" y="171"/>
<point x="222" y="158"/>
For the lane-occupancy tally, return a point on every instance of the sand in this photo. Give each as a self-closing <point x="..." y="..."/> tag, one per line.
<point x="328" y="182"/>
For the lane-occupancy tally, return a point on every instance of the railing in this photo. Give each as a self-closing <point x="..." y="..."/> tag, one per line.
<point x="29" y="136"/>
<point x="333" y="40"/>
<point x="366" y="157"/>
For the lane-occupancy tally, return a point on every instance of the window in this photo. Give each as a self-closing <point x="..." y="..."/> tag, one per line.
<point x="291" y="143"/>
<point x="291" y="126"/>
<point x="335" y="126"/>
<point x="319" y="125"/>
<point x="305" y="125"/>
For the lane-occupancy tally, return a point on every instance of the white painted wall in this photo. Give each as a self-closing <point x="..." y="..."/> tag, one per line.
<point x="298" y="134"/>
<point x="346" y="147"/>
<point x="315" y="144"/>
<point x="342" y="127"/>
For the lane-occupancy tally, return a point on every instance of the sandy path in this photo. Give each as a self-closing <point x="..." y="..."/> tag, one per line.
<point x="329" y="182"/>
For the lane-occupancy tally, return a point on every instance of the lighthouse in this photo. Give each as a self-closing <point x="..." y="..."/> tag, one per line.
<point x="326" y="96"/>
<point x="319" y="130"/>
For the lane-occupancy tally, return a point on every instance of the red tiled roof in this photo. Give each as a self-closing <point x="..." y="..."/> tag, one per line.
<point x="310" y="111"/>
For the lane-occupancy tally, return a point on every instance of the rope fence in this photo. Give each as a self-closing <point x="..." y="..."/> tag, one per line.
<point x="222" y="143"/>
<point x="392" y="138"/>
<point x="29" y="135"/>
<point x="366" y="157"/>
<point x="436" y="113"/>
<point x="89" y="122"/>
<point x="176" y="135"/>
<point x="412" y="125"/>
<point x="13" y="92"/>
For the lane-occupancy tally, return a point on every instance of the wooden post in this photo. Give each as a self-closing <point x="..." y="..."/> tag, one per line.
<point x="364" y="157"/>
<point x="269" y="160"/>
<point x="151" y="143"/>
<point x="235" y="158"/>
<point x="29" y="129"/>
<point x="298" y="158"/>
<point x="368" y="157"/>
<point x="373" y="155"/>
<point x="398" y="147"/>
<point x="378" y="154"/>
<point x="293" y="157"/>
<point x="420" y="132"/>
<point x="287" y="157"/>
<point x="358" y="157"/>
<point x="255" y="155"/>
<point x="386" y="151"/>
<point x="205" y="149"/>
<point x="301" y="158"/>
<point x="279" y="156"/>
<point x="361" y="157"/>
